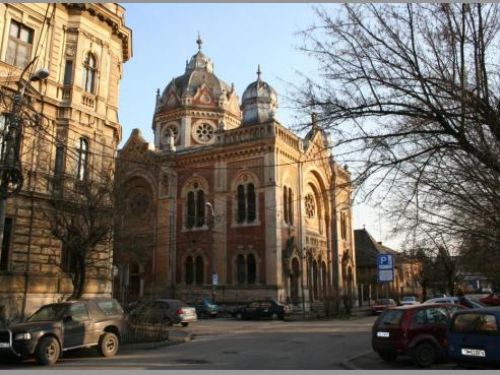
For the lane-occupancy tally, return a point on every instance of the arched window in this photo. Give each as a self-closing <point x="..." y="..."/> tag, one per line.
<point x="251" y="268"/>
<point x="240" y="269"/>
<point x="246" y="203"/>
<point x="191" y="210"/>
<point x="83" y="151"/>
<point x="189" y="271"/>
<point x="288" y="205"/>
<point x="241" y="204"/>
<point x="295" y="281"/>
<point x="251" y="203"/>
<point x="200" y="212"/>
<point x="343" y="226"/>
<point x="89" y="73"/>
<point x="199" y="270"/>
<point x="285" y="203"/>
<point x="195" y="207"/>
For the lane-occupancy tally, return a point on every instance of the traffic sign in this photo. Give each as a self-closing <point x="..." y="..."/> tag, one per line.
<point x="385" y="262"/>
<point x="215" y="279"/>
<point x="385" y="268"/>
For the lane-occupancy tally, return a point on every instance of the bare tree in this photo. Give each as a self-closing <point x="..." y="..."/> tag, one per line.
<point x="81" y="217"/>
<point x="412" y="95"/>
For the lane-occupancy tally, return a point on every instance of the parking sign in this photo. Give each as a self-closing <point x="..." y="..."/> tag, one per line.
<point x="385" y="268"/>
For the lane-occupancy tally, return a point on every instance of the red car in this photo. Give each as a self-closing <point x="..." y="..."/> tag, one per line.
<point x="382" y="304"/>
<point x="415" y="330"/>
<point x="491" y="300"/>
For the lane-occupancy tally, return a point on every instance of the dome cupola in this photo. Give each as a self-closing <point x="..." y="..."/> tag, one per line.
<point x="259" y="102"/>
<point x="198" y="86"/>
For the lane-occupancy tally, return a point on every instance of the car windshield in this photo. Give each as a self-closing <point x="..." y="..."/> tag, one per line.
<point x="49" y="312"/>
<point x="409" y="299"/>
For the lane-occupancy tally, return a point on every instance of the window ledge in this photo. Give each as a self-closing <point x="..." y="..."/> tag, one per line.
<point x="245" y="224"/>
<point x="204" y="227"/>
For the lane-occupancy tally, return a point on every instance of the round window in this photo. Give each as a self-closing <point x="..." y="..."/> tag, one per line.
<point x="169" y="129"/>
<point x="203" y="132"/>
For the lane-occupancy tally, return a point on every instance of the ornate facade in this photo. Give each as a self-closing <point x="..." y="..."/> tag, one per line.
<point x="84" y="47"/>
<point x="228" y="201"/>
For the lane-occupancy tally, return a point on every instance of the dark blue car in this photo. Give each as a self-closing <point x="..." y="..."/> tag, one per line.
<point x="474" y="337"/>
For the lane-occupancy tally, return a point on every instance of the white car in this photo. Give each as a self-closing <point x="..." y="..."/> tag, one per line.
<point x="409" y="300"/>
<point x="455" y="300"/>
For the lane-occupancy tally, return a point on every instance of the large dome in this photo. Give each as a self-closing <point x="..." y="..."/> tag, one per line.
<point x="259" y="102"/>
<point x="198" y="86"/>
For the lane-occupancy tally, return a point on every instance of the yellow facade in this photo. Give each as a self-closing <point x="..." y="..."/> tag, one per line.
<point x="84" y="47"/>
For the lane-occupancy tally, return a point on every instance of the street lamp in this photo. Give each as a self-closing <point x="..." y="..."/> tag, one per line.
<point x="11" y="178"/>
<point x="211" y="228"/>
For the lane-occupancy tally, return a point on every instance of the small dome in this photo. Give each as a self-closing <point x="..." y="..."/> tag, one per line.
<point x="199" y="75"/>
<point x="259" y="102"/>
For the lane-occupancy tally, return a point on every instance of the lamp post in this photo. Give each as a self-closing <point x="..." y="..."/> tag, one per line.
<point x="211" y="223"/>
<point x="11" y="179"/>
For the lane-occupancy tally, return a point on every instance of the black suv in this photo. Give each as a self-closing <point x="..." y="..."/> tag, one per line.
<point x="58" y="327"/>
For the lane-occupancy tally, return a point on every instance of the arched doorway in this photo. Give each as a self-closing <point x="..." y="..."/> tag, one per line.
<point x="294" y="282"/>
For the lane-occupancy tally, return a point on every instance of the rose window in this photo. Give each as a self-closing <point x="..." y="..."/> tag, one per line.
<point x="172" y="129"/>
<point x="310" y="206"/>
<point x="204" y="132"/>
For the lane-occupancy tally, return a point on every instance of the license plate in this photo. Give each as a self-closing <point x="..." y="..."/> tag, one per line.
<point x="382" y="334"/>
<point x="473" y="352"/>
<point x="4" y="345"/>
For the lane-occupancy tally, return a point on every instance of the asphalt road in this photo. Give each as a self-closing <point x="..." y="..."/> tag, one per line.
<point x="228" y="344"/>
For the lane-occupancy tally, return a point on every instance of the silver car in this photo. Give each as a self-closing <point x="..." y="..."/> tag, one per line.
<point x="409" y="300"/>
<point x="167" y="311"/>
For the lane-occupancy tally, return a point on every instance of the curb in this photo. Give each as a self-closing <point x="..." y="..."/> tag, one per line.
<point x="172" y="340"/>
<point x="351" y="366"/>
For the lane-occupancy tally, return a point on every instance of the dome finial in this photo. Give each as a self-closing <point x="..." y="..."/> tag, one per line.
<point x="199" y="41"/>
<point x="258" y="72"/>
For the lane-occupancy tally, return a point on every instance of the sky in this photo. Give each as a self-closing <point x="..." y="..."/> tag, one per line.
<point x="237" y="37"/>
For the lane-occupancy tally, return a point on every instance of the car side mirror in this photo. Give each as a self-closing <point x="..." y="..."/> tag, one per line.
<point x="67" y="318"/>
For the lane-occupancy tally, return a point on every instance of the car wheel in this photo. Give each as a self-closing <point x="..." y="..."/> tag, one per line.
<point x="239" y="316"/>
<point x="388" y="356"/>
<point x="424" y="354"/>
<point x="184" y="324"/>
<point x="274" y="316"/>
<point x="108" y="344"/>
<point x="47" y="351"/>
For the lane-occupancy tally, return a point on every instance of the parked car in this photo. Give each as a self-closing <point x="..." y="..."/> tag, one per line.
<point x="491" y="300"/>
<point x="206" y="307"/>
<point x="261" y="309"/>
<point x="474" y="337"/>
<point x="166" y="311"/>
<point x="382" y="304"/>
<point x="466" y="302"/>
<point x="59" y="327"/>
<point x="416" y="330"/>
<point x="409" y="300"/>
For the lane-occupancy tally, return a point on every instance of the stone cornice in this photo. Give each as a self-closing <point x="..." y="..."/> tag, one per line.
<point x="113" y="20"/>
